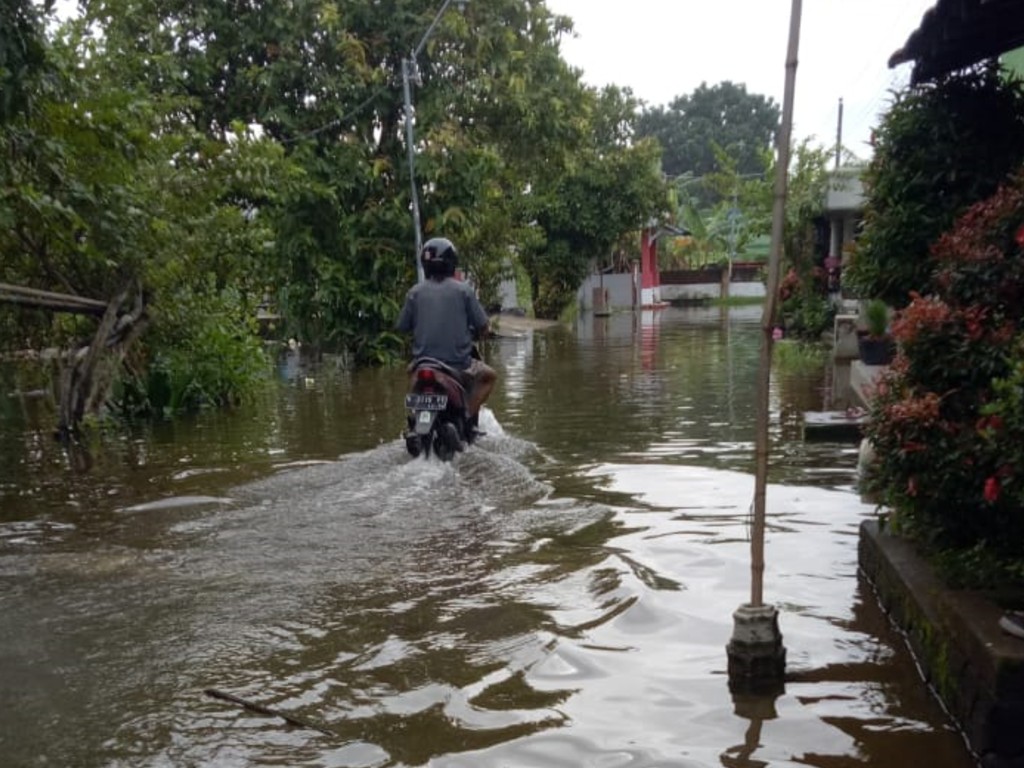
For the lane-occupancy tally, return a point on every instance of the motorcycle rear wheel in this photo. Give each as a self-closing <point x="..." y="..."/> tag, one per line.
<point x="446" y="442"/>
<point x="414" y="444"/>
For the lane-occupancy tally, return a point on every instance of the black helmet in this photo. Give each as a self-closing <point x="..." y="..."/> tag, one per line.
<point x="439" y="257"/>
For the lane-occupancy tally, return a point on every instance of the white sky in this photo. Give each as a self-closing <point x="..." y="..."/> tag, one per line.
<point x="665" y="48"/>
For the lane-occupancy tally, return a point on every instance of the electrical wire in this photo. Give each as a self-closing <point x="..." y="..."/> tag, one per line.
<point x="338" y="120"/>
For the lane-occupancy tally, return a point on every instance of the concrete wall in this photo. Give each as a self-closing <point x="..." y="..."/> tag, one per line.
<point x="619" y="287"/>
<point x="845" y="191"/>
<point x="975" y="669"/>
<point x="844" y="203"/>
<point x="700" y="291"/>
<point x="691" y="292"/>
<point x="507" y="292"/>
<point x="621" y="291"/>
<point x="747" y="290"/>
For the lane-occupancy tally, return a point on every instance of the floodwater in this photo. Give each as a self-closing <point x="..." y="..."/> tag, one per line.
<point x="561" y="595"/>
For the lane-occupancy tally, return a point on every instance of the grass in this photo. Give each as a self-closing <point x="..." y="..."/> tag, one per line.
<point x="793" y="356"/>
<point x="737" y="301"/>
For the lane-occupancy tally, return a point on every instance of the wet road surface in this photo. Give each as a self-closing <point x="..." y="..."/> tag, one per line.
<point x="561" y="595"/>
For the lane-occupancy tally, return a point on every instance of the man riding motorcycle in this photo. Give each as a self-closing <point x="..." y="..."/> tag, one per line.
<point x="445" y="317"/>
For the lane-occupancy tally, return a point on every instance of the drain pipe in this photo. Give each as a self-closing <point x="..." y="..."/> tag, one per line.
<point x="757" y="658"/>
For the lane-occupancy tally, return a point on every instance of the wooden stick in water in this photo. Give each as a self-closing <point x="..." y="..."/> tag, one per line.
<point x="260" y="709"/>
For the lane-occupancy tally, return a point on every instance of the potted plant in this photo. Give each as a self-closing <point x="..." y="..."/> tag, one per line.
<point x="874" y="343"/>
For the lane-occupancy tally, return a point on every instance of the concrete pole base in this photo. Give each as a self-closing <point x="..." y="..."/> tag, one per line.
<point x="757" y="658"/>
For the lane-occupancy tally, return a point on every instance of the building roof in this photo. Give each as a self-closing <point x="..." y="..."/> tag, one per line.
<point x="955" y="34"/>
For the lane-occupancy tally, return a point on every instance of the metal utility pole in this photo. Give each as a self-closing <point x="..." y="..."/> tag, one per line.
<point x="839" y="135"/>
<point x="757" y="658"/>
<point x="414" y="195"/>
<point x="410" y="72"/>
<point x="734" y="226"/>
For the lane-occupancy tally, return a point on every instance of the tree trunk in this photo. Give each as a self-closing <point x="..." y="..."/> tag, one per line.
<point x="88" y="371"/>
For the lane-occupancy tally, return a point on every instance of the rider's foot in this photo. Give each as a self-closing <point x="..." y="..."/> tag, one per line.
<point x="471" y="428"/>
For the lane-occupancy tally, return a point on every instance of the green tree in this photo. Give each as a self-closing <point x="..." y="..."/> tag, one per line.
<point x="22" y="53"/>
<point x="739" y="213"/>
<point x="805" y="288"/>
<point x="525" y="121"/>
<point x="103" y="190"/>
<point x="497" y="113"/>
<point x="613" y="187"/>
<point x="299" y="73"/>
<point x="940" y="147"/>
<point x="724" y="116"/>
<point x="219" y="154"/>
<point x="806" y="191"/>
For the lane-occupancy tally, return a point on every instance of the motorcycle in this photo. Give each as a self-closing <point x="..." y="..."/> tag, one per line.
<point x="437" y="419"/>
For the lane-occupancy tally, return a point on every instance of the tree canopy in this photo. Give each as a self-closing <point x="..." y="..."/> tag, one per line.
<point x="22" y="53"/>
<point x="721" y="116"/>
<point x="933" y="158"/>
<point x="224" y="156"/>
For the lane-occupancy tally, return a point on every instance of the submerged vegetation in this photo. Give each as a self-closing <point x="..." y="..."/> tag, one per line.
<point x="794" y="355"/>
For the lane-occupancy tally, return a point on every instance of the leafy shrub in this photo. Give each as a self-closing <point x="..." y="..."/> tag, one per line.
<point x="947" y="422"/>
<point x="798" y="356"/>
<point x="806" y="310"/>
<point x="876" y="318"/>
<point x="933" y="158"/>
<point x="203" y="351"/>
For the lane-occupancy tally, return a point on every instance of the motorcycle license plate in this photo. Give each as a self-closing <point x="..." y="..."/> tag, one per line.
<point x="426" y="402"/>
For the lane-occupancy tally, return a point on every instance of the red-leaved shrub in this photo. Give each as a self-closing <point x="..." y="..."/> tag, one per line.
<point x="947" y="421"/>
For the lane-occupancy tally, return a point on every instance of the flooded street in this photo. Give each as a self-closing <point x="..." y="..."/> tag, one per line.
<point x="560" y="595"/>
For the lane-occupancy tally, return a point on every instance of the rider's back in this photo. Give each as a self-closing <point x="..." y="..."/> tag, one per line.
<point x="442" y="315"/>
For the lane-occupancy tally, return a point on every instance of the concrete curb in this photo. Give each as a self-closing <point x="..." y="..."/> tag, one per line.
<point x="974" y="668"/>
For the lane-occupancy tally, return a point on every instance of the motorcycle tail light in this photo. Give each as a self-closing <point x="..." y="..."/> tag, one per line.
<point x="425" y="374"/>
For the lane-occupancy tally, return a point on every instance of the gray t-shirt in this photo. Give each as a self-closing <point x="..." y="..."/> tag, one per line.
<point x="443" y="317"/>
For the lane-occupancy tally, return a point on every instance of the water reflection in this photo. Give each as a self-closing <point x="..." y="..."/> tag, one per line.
<point x="560" y="595"/>
<point x="756" y="710"/>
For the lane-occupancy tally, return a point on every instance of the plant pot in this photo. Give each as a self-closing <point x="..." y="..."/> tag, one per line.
<point x="875" y="350"/>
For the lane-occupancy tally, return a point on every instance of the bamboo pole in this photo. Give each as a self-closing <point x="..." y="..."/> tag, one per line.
<point x="62" y="302"/>
<point x="769" y="315"/>
<point x="757" y="657"/>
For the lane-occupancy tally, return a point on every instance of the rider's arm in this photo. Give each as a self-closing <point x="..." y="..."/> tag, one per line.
<point x="477" y="317"/>
<point x="405" y="317"/>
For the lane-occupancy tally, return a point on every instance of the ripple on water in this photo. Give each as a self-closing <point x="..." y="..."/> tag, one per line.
<point x="178" y="502"/>
<point x="18" y="533"/>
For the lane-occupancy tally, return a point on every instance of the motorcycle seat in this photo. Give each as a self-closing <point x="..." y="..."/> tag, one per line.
<point x="433" y="362"/>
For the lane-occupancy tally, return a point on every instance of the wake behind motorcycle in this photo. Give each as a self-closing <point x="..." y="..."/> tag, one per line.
<point x="437" y="419"/>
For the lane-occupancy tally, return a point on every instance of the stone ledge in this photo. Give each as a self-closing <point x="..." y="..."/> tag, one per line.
<point x="863" y="380"/>
<point x="975" y="669"/>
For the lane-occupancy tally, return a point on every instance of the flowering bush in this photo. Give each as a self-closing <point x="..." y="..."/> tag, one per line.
<point x="1001" y="427"/>
<point x="947" y="421"/>
<point x="789" y="285"/>
<point x="949" y="349"/>
<point x="806" y="310"/>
